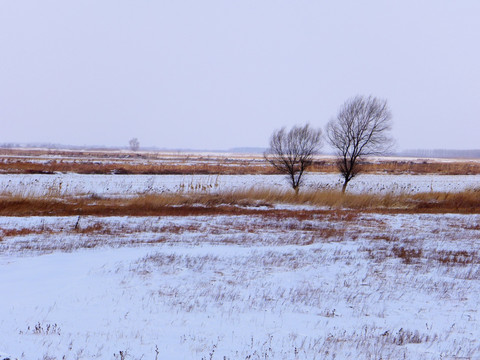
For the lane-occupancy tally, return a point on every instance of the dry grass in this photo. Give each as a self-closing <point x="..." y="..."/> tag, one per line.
<point x="123" y="168"/>
<point x="333" y="283"/>
<point x="462" y="202"/>
<point x="18" y="161"/>
<point x="236" y="203"/>
<point x="236" y="168"/>
<point x="411" y="255"/>
<point x="439" y="167"/>
<point x="465" y="202"/>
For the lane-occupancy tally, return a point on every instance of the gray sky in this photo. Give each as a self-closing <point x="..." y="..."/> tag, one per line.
<point x="221" y="74"/>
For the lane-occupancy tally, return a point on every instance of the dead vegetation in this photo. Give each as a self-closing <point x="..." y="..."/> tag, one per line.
<point x="240" y="202"/>
<point x="410" y="255"/>
<point x="344" y="229"/>
<point x="18" y="161"/>
<point x="200" y="199"/>
<point x="335" y="280"/>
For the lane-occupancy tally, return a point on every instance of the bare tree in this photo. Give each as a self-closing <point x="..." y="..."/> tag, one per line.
<point x="360" y="129"/>
<point x="292" y="152"/>
<point x="134" y="144"/>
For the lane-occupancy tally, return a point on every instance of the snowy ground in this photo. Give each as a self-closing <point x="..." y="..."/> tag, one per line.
<point x="304" y="286"/>
<point x="113" y="185"/>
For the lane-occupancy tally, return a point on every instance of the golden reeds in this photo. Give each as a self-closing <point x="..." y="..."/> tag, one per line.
<point x="236" y="202"/>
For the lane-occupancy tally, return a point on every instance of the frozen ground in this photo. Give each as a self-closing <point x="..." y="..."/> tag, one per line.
<point x="279" y="286"/>
<point x="112" y="185"/>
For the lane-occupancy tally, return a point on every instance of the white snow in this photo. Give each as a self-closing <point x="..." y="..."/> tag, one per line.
<point x="125" y="185"/>
<point x="238" y="287"/>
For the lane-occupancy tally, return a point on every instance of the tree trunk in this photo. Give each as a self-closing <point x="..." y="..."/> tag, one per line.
<point x="344" y="187"/>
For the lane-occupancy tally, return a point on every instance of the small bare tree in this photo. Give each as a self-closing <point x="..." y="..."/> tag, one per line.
<point x="134" y="144"/>
<point x="360" y="129"/>
<point x="292" y="152"/>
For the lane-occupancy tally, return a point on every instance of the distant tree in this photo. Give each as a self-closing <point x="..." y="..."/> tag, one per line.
<point x="134" y="144"/>
<point x="360" y="129"/>
<point x="292" y="152"/>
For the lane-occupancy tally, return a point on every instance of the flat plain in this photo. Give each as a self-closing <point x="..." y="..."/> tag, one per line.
<point x="210" y="256"/>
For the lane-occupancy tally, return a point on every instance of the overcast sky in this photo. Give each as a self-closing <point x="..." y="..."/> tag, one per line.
<point x="222" y="74"/>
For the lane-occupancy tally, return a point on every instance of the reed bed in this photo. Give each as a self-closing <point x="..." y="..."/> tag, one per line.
<point x="236" y="202"/>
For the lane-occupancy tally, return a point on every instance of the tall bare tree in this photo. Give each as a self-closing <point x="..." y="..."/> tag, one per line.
<point x="292" y="152"/>
<point x="360" y="129"/>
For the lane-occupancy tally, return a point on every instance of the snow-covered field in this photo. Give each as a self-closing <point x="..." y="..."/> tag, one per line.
<point x="114" y="185"/>
<point x="303" y="286"/>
